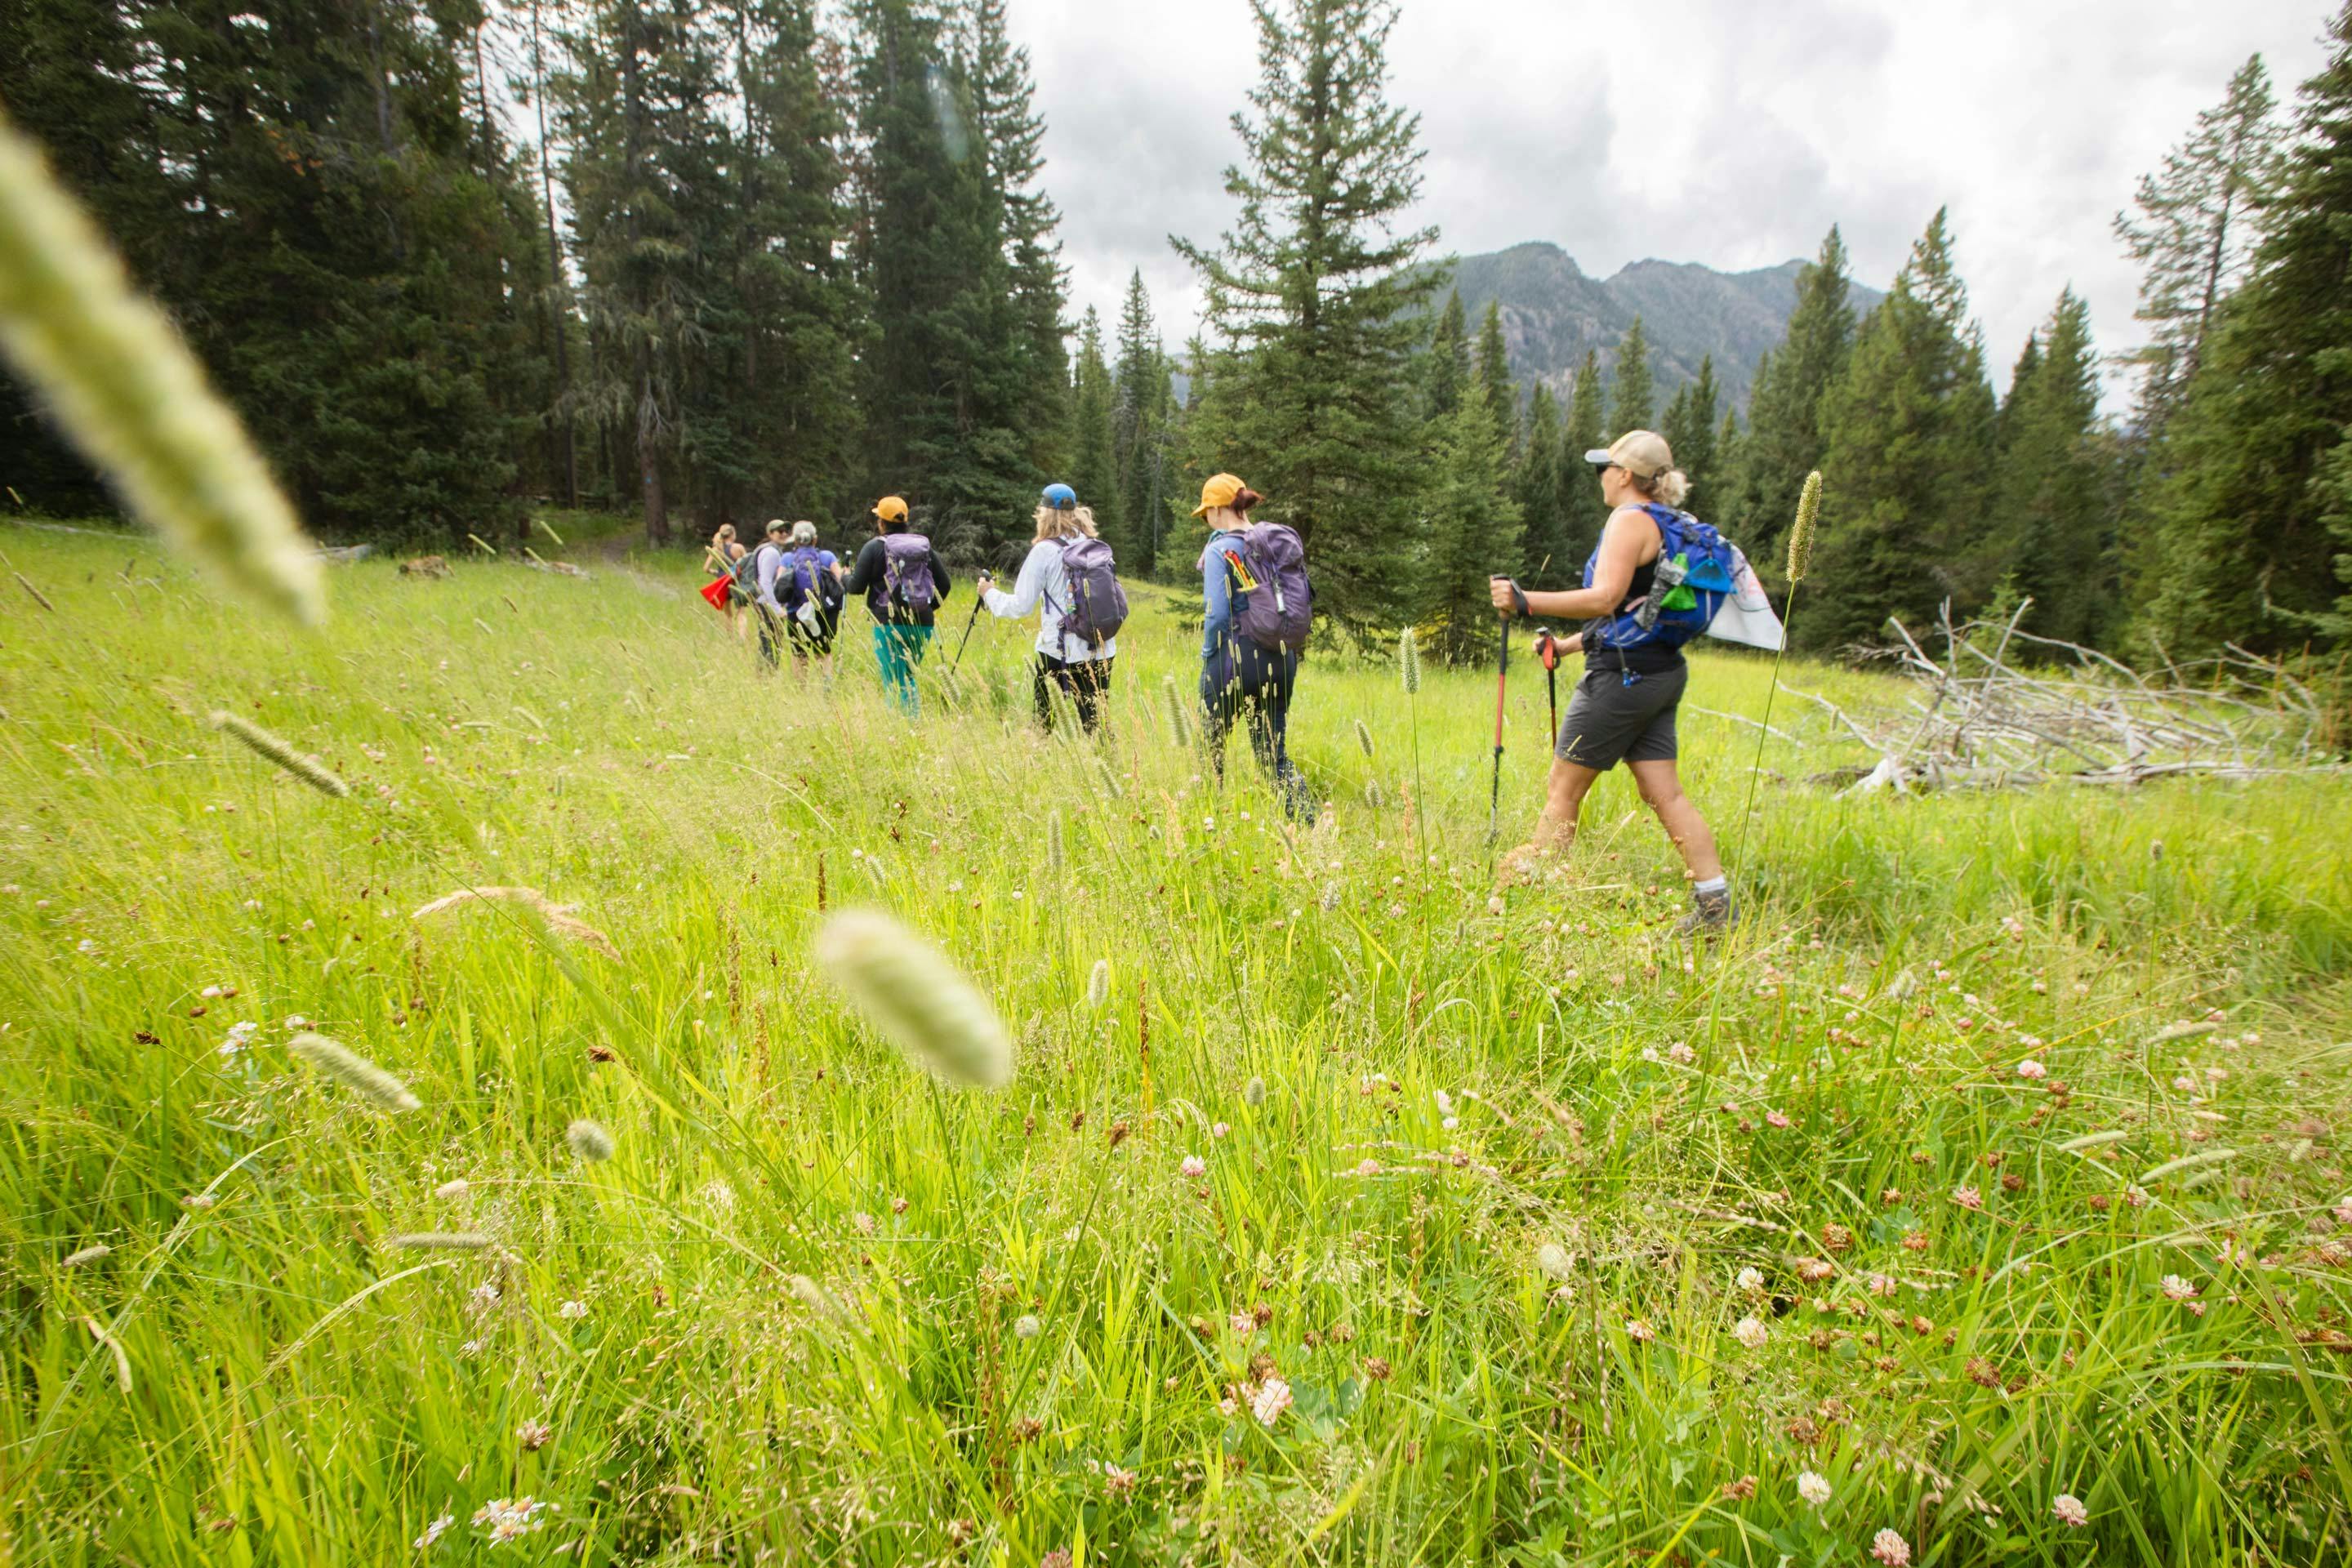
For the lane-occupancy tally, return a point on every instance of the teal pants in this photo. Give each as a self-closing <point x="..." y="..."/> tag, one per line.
<point x="896" y="651"/>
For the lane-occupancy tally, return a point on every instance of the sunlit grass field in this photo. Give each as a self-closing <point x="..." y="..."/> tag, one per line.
<point x="1990" y="1178"/>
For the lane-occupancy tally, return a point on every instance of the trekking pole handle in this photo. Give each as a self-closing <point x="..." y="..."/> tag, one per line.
<point x="1519" y="597"/>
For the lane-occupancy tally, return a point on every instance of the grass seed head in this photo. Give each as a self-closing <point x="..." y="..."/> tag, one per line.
<point x="1800" y="533"/>
<point x="1180" y="726"/>
<point x="276" y="749"/>
<point x="1363" y="738"/>
<point x="589" y="1141"/>
<point x="911" y="992"/>
<point x="91" y="1254"/>
<point x="353" y="1072"/>
<point x="440" y="1241"/>
<point x="1552" y="1259"/>
<point x="1099" y="984"/>
<point x="1409" y="661"/>
<point x="124" y="386"/>
<point x="1054" y="842"/>
<point x="1254" y="1091"/>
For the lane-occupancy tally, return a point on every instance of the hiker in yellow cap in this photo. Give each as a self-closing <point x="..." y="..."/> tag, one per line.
<point x="904" y="586"/>
<point x="1624" y="707"/>
<point x="1256" y="600"/>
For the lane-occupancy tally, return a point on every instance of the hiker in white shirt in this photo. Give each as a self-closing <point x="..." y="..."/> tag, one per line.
<point x="1081" y="668"/>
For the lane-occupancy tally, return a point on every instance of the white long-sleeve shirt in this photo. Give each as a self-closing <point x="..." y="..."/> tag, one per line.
<point x="1042" y="585"/>
<point x="769" y="565"/>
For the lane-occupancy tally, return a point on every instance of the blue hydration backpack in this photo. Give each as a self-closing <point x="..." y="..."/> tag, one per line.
<point x="1692" y="578"/>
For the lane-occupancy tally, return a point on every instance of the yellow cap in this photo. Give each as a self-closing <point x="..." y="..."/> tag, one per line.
<point x="1220" y="491"/>
<point x="890" y="508"/>
<point x="1641" y="453"/>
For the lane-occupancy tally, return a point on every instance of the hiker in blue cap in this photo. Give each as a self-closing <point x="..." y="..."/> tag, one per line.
<point x="1069" y="580"/>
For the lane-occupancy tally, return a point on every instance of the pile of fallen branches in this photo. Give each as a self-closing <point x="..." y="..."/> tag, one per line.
<point x="1997" y="707"/>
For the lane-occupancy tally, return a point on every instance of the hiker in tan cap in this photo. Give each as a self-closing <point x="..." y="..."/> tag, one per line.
<point x="1624" y="710"/>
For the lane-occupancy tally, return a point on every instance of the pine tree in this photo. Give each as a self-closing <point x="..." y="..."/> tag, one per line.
<point x="1004" y="94"/>
<point x="1447" y="368"/>
<point x="645" y="141"/>
<point x="1632" y="401"/>
<point x="2250" y="464"/>
<point x="1094" y="474"/>
<point x="1539" y="486"/>
<point x="1317" y="291"/>
<point x="2195" y="235"/>
<point x="766" y="427"/>
<point x="1584" y="511"/>
<point x="951" y="387"/>
<point x="1785" y="439"/>
<point x="1494" y="372"/>
<point x="1689" y="431"/>
<point x="1472" y="524"/>
<point x="1909" y="439"/>
<point x="2050" y="521"/>
<point x="1140" y="411"/>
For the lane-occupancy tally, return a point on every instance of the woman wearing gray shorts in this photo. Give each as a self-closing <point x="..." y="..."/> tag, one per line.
<point x="1624" y="710"/>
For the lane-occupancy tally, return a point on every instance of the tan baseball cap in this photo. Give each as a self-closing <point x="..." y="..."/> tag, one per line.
<point x="1641" y="453"/>
<point x="890" y="508"/>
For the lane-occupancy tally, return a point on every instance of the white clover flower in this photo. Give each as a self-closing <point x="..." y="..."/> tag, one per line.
<point x="1813" y="1487"/>
<point x="571" y="1311"/>
<point x="1750" y="1282"/>
<point x="1750" y="1331"/>
<point x="2031" y="1069"/>
<point x="2070" y="1511"/>
<point x="1270" y="1401"/>
<point x="1194" y="1167"/>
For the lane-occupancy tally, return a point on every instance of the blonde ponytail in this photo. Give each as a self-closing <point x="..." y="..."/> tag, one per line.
<point x="1668" y="488"/>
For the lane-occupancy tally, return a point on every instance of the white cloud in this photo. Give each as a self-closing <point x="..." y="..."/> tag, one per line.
<point x="1728" y="133"/>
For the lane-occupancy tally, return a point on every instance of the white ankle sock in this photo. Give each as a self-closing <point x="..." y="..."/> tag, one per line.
<point x="1712" y="884"/>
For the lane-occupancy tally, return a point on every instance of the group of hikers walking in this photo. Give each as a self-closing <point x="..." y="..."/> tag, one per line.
<point x="1657" y="578"/>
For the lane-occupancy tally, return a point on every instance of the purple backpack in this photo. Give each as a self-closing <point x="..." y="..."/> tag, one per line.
<point x="907" y="575"/>
<point x="1275" y="613"/>
<point x="1097" y="605"/>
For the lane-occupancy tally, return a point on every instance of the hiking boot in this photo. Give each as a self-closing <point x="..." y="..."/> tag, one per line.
<point x="1710" y="914"/>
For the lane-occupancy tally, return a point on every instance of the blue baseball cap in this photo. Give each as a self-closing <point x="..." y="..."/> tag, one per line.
<point x="1061" y="497"/>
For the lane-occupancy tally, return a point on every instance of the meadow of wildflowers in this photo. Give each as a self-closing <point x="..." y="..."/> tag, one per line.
<point x="662" y="1114"/>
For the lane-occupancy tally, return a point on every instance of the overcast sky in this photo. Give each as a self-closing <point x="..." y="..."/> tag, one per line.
<point x="1723" y="131"/>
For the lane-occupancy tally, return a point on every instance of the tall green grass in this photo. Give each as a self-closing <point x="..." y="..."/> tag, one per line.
<point x="813" y="1308"/>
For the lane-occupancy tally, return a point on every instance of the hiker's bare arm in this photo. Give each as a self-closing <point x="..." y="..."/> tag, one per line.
<point x="1629" y="534"/>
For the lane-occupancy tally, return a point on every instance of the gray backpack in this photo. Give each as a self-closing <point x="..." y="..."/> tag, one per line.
<point x="1097" y="605"/>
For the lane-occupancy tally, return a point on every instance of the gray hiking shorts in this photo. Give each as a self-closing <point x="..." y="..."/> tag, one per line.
<point x="1609" y="721"/>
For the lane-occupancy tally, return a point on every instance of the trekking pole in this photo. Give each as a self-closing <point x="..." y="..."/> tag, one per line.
<point x="1502" y="673"/>
<point x="978" y="599"/>
<point x="1547" y="655"/>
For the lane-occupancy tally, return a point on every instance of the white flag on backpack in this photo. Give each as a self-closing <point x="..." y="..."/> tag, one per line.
<point x="1746" y="615"/>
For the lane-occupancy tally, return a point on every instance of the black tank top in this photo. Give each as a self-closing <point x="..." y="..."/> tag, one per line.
<point x="1650" y="658"/>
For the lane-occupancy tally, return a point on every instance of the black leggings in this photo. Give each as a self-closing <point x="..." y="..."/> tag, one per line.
<point x="1085" y="683"/>
<point x="1246" y="679"/>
